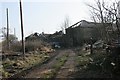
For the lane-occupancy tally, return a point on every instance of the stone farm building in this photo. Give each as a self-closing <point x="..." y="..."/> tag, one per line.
<point x="76" y="35"/>
<point x="82" y="31"/>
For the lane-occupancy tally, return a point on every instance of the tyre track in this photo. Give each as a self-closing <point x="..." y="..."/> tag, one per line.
<point x="39" y="72"/>
<point x="69" y="67"/>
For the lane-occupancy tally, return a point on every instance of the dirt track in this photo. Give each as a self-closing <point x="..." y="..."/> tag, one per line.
<point x="67" y="68"/>
<point x="74" y="66"/>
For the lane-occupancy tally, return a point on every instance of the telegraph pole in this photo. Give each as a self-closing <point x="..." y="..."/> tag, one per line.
<point x="91" y="45"/>
<point x="7" y="30"/>
<point x="14" y="32"/>
<point x="22" y="33"/>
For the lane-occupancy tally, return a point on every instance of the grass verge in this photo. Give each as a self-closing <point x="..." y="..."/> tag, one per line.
<point x="14" y="66"/>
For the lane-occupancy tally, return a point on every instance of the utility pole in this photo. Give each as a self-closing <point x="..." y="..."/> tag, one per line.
<point x="7" y="30"/>
<point x="22" y="33"/>
<point x="14" y="32"/>
<point x="91" y="45"/>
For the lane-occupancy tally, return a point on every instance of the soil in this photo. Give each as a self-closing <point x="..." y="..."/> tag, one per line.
<point x="40" y="71"/>
<point x="69" y="67"/>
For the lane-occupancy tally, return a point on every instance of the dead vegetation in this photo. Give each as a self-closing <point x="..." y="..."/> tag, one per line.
<point x="12" y="66"/>
<point x="92" y="65"/>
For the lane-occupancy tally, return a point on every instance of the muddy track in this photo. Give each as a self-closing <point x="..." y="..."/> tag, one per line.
<point x="64" y="71"/>
<point x="40" y="71"/>
<point x="69" y="67"/>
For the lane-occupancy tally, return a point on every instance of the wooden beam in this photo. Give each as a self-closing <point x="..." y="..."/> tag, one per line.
<point x="22" y="31"/>
<point x="7" y="30"/>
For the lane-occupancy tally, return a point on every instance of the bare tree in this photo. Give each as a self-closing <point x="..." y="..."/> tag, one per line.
<point x="104" y="13"/>
<point x="113" y="14"/>
<point x="97" y="12"/>
<point x="5" y="41"/>
<point x="65" y="24"/>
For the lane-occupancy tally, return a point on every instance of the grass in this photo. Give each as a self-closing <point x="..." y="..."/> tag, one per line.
<point x="52" y="72"/>
<point x="91" y="65"/>
<point x="10" y="67"/>
<point x="82" y="60"/>
<point x="3" y="72"/>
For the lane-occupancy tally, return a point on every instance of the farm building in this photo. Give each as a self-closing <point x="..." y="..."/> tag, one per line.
<point x="82" y="31"/>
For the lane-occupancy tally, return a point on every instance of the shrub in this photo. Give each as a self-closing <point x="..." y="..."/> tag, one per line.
<point x="31" y="46"/>
<point x="16" y="47"/>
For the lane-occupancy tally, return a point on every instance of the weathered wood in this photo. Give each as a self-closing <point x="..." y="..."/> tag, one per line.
<point x="7" y="30"/>
<point x="22" y="31"/>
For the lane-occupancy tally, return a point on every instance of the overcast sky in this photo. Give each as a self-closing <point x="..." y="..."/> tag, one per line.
<point x="43" y="15"/>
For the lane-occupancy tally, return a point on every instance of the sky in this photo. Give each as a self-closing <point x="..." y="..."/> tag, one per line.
<point x="42" y="15"/>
